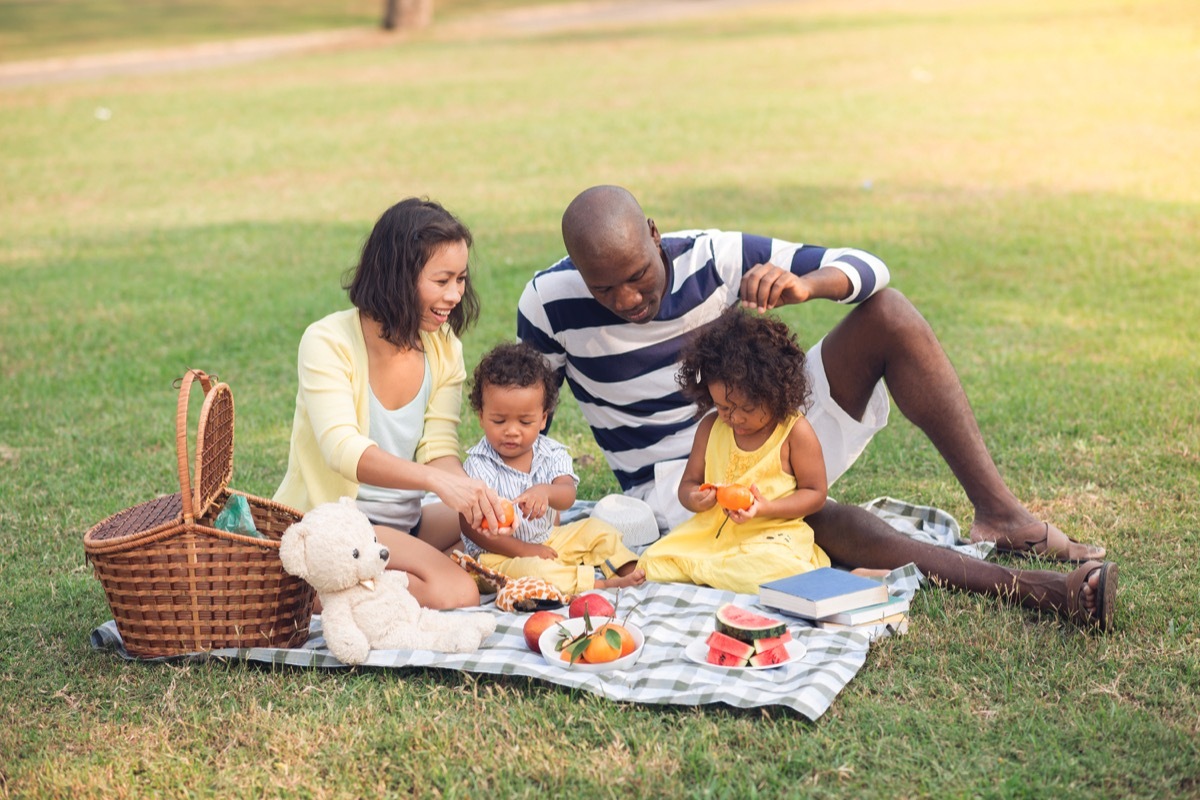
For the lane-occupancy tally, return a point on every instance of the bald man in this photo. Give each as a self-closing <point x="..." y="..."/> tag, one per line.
<point x="613" y="315"/>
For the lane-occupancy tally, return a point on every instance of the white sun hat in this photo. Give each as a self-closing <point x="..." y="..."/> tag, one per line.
<point x="632" y="517"/>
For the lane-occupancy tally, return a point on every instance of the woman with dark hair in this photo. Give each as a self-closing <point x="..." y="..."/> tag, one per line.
<point x="380" y="389"/>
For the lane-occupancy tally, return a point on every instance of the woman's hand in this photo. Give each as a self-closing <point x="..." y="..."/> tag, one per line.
<point x="473" y="499"/>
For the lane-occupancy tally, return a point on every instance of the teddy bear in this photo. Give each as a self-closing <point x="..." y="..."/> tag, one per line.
<point x="364" y="605"/>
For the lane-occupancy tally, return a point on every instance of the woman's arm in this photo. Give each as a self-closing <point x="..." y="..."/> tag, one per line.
<point x="691" y="496"/>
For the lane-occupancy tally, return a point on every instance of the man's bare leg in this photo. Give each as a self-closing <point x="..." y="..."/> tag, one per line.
<point x="886" y="337"/>
<point x="855" y="537"/>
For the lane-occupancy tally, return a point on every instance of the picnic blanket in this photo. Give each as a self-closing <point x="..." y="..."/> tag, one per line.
<point x="671" y="616"/>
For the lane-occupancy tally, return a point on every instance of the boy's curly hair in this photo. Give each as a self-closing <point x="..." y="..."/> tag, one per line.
<point x="759" y="356"/>
<point x="514" y="364"/>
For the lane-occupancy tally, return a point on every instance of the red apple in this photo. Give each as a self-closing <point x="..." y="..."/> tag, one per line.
<point x="597" y="605"/>
<point x="536" y="624"/>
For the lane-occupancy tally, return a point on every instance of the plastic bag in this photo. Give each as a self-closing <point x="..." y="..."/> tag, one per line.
<point x="235" y="517"/>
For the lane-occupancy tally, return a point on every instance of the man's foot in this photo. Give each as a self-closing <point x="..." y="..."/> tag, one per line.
<point x="867" y="572"/>
<point x="634" y="578"/>
<point x="1037" y="539"/>
<point x="1092" y="594"/>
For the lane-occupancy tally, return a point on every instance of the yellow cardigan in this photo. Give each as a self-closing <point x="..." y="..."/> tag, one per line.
<point x="329" y="431"/>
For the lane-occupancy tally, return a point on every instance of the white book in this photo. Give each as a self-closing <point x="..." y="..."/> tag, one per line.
<point x="892" y="626"/>
<point x="874" y="613"/>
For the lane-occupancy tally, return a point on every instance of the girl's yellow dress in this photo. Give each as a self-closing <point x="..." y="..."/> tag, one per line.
<point x="746" y="555"/>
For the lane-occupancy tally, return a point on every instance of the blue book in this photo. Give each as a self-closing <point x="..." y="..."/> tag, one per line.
<point x="821" y="592"/>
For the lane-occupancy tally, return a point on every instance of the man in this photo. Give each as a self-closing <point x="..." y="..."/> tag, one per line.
<point x="613" y="315"/>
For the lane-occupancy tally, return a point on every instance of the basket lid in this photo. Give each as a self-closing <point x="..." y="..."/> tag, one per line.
<point x="214" y="448"/>
<point x="214" y="444"/>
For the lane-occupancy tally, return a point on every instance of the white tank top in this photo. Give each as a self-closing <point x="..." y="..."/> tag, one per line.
<point x="398" y="432"/>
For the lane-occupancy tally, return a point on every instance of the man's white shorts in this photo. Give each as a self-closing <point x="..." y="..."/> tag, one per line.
<point x="842" y="438"/>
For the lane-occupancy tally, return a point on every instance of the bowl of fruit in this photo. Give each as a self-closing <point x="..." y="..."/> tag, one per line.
<point x="591" y="644"/>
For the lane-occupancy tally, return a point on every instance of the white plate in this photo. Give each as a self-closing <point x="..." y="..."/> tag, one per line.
<point x="698" y="651"/>
<point x="551" y="635"/>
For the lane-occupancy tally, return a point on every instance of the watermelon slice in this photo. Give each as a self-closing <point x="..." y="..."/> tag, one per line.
<point x="761" y="645"/>
<point x="766" y="658"/>
<point x="746" y="625"/>
<point x="724" y="659"/>
<point x="727" y="644"/>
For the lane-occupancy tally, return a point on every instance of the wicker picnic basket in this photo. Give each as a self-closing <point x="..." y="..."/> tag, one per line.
<point x="176" y="584"/>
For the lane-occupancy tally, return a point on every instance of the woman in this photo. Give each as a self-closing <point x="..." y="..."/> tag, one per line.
<point x="377" y="409"/>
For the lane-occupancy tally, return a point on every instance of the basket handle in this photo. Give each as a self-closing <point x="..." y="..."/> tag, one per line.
<point x="181" y="450"/>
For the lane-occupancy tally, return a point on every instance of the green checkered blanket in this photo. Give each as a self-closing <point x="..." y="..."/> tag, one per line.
<point x="671" y="616"/>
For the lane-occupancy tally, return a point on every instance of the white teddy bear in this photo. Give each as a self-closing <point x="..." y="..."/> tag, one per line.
<point x="364" y="605"/>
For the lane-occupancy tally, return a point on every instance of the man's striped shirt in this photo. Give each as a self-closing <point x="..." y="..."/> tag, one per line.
<point x="623" y="374"/>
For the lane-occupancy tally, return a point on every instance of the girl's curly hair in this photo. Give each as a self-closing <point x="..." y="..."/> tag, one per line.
<point x="758" y="356"/>
<point x="514" y="364"/>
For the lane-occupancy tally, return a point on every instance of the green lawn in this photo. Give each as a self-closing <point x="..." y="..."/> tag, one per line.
<point x="33" y="29"/>
<point x="1028" y="171"/>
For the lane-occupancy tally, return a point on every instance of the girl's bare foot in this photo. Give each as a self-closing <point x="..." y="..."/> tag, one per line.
<point x="635" y="577"/>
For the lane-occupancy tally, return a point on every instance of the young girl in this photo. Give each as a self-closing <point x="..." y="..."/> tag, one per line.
<point x="514" y="393"/>
<point x="751" y="371"/>
<point x="377" y="407"/>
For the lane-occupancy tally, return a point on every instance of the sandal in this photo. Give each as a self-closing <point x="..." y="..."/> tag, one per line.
<point x="1043" y="540"/>
<point x="1106" y="595"/>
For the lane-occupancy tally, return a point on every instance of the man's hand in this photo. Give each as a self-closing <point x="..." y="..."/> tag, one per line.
<point x="767" y="286"/>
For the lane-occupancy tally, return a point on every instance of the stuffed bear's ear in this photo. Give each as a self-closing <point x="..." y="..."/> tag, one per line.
<point x="292" y="550"/>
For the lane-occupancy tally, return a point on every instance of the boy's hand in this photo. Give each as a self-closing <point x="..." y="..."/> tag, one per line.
<point x="534" y="502"/>
<point x="542" y="551"/>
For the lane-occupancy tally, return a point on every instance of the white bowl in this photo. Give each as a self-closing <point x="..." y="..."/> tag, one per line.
<point x="574" y="627"/>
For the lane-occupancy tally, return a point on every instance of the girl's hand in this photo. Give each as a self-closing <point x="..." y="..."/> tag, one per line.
<point x="747" y="514"/>
<point x="534" y="501"/>
<point x="703" y="497"/>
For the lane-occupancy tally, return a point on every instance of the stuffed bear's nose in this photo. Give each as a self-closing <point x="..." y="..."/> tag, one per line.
<point x="383" y="554"/>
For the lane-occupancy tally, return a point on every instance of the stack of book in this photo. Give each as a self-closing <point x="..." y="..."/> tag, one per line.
<point x="838" y="600"/>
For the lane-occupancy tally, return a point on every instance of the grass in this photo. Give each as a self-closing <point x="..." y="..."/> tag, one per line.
<point x="33" y="29"/>
<point x="1027" y="171"/>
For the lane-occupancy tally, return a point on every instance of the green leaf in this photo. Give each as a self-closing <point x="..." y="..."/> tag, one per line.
<point x="613" y="638"/>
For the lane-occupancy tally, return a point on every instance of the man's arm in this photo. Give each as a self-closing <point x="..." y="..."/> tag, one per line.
<point x="777" y="273"/>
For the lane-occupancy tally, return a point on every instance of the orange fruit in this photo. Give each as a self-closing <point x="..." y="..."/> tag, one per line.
<point x="734" y="497"/>
<point x="508" y="515"/>
<point x="628" y="645"/>
<point x="600" y="649"/>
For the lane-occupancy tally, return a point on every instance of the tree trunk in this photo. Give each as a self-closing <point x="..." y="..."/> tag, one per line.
<point x="407" y="14"/>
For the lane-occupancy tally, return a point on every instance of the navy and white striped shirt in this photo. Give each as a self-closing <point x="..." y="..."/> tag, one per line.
<point x="623" y="374"/>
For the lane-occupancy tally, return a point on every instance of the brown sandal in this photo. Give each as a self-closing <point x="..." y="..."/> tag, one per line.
<point x="1106" y="595"/>
<point x="1044" y="540"/>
